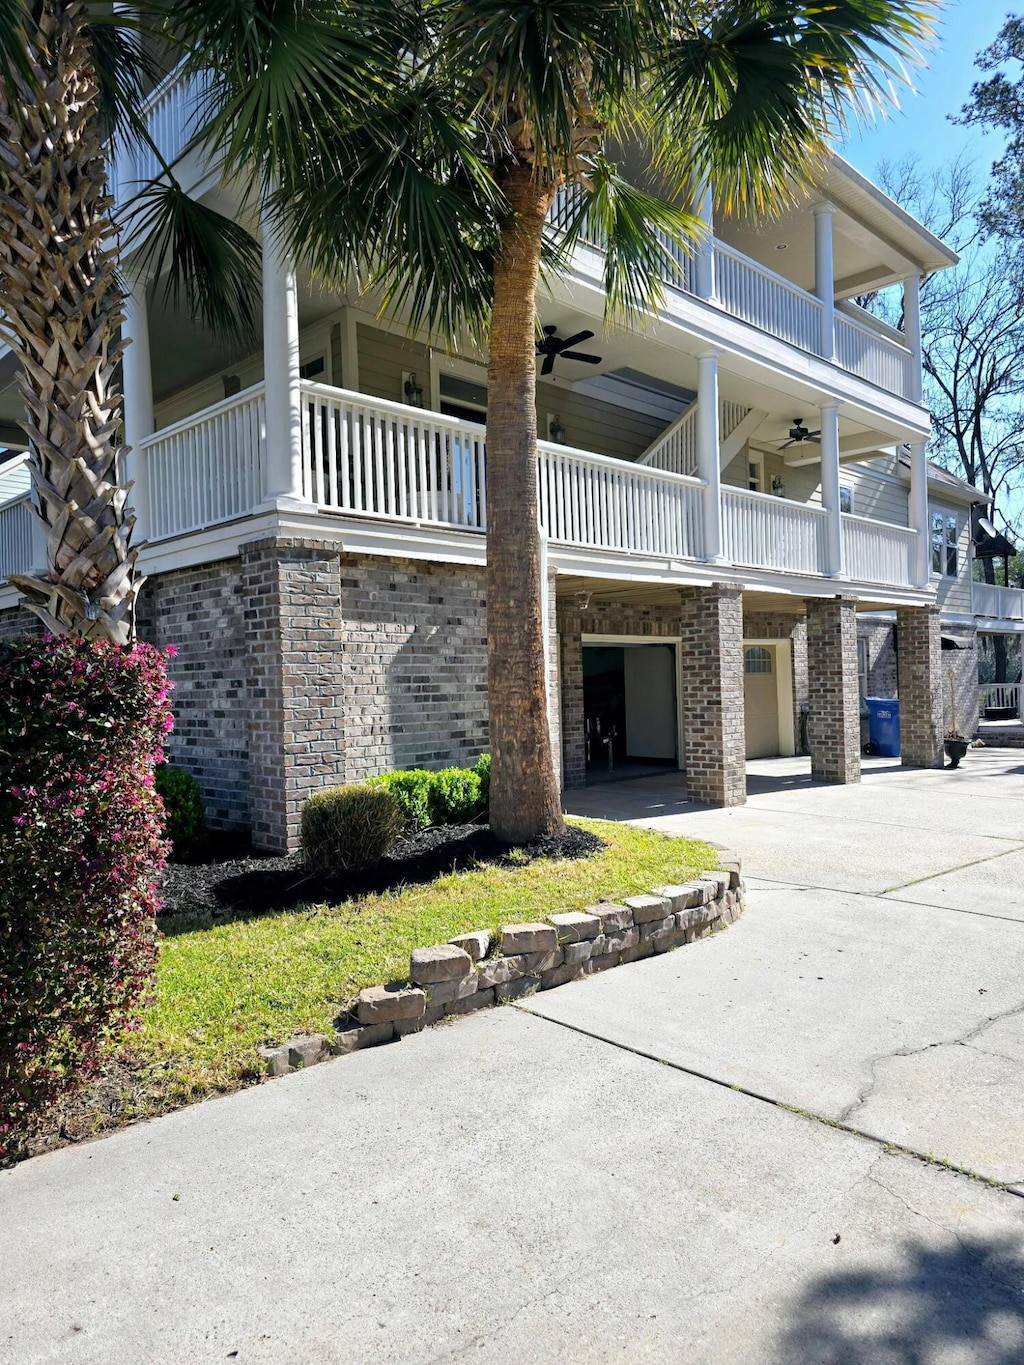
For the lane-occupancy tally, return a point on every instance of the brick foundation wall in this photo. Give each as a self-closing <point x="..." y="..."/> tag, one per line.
<point x="600" y="618"/>
<point x="18" y="621"/>
<point x="711" y="626"/>
<point x="200" y="612"/>
<point x="834" y="718"/>
<point x="920" y="687"/>
<point x="882" y="680"/>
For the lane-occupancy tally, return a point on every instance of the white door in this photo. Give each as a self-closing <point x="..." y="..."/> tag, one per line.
<point x="761" y="700"/>
<point x="650" y="682"/>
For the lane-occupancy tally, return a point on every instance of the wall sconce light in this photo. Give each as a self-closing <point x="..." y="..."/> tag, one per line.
<point x="582" y="600"/>
<point x="413" y="391"/>
<point x="557" y="431"/>
<point x="778" y="487"/>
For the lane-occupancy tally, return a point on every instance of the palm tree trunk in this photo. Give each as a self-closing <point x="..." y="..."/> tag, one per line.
<point x="525" y="798"/>
<point x="62" y="310"/>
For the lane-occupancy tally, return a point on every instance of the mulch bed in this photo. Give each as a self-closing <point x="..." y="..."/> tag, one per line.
<point x="230" y="885"/>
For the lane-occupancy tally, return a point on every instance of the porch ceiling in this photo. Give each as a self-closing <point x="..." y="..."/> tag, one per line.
<point x="662" y="595"/>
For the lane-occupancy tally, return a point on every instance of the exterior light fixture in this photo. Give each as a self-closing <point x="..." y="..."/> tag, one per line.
<point x="557" y="431"/>
<point x="413" y="391"/>
<point x="582" y="600"/>
<point x="778" y="487"/>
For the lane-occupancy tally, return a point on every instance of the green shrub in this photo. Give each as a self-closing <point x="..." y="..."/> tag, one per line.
<point x="411" y="788"/>
<point x="184" y="816"/>
<point x="350" y="827"/>
<point x="483" y="771"/>
<point x="454" y="796"/>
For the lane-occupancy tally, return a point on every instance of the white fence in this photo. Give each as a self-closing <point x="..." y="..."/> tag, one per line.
<point x="769" y="301"/>
<point x="206" y="469"/>
<point x="765" y="532"/>
<point x="591" y="500"/>
<point x="1000" y="696"/>
<point x="1003" y="604"/>
<point x="862" y="349"/>
<point x="17" y="538"/>
<point x="874" y="552"/>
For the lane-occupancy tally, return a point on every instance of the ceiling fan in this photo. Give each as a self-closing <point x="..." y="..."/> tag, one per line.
<point x="551" y="346"/>
<point x="798" y="433"/>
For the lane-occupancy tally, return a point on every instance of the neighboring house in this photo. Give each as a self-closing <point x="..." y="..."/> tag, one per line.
<point x="743" y="533"/>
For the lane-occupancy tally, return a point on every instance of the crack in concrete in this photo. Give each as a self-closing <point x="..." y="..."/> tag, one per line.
<point x="963" y="1039"/>
<point x="777" y="884"/>
<point x="948" y="871"/>
<point x="888" y="1146"/>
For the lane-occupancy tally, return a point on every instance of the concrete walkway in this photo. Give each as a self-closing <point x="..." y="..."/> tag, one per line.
<point x="639" y="1167"/>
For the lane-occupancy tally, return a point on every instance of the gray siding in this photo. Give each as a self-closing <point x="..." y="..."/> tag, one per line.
<point x="382" y="358"/>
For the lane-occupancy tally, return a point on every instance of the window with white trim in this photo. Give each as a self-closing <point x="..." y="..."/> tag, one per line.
<point x="755" y="471"/>
<point x="945" y="542"/>
<point x="845" y="497"/>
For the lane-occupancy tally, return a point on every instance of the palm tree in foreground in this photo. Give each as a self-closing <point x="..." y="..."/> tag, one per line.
<point x="425" y="142"/>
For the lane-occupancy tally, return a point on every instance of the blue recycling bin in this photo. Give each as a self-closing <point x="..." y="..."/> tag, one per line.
<point x="884" y="726"/>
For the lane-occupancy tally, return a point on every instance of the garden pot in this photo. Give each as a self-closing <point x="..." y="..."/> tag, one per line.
<point x="955" y="750"/>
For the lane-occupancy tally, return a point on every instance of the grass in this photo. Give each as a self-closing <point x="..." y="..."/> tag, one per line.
<point x="224" y="988"/>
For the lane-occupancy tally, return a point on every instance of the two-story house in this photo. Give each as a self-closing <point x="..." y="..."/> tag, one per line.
<point x="743" y="533"/>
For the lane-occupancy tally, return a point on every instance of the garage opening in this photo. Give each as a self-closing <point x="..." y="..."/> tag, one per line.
<point x="630" y="710"/>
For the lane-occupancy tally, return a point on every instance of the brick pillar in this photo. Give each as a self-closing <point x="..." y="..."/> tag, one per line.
<point x="919" y="671"/>
<point x="711" y="628"/>
<point x="834" y="719"/>
<point x="293" y="626"/>
<point x="574" y="753"/>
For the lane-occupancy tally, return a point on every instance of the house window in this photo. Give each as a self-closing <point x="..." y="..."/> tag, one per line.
<point x="845" y="498"/>
<point x="862" y="667"/>
<point x="462" y="398"/>
<point x="314" y="369"/>
<point x="755" y="472"/>
<point x="757" y="659"/>
<point x="945" y="543"/>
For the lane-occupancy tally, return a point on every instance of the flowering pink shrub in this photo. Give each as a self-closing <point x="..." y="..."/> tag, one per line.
<point x="82" y="726"/>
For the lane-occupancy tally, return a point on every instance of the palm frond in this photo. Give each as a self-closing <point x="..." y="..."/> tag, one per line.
<point x="647" y="242"/>
<point x="16" y="23"/>
<point x="201" y="260"/>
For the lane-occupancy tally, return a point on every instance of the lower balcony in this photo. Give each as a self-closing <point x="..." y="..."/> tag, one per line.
<point x="373" y="460"/>
<point x="994" y="603"/>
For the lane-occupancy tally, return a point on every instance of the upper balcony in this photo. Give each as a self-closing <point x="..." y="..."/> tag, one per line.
<point x="845" y="249"/>
<point x="371" y="467"/>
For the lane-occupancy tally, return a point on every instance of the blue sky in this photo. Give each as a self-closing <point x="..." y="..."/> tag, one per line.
<point x="920" y="128"/>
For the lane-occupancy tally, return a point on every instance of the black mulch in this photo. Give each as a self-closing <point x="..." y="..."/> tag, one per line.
<point x="230" y="885"/>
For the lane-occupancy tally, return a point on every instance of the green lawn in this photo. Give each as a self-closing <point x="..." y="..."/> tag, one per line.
<point x="224" y="988"/>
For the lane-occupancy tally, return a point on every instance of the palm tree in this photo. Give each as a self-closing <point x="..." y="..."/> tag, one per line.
<point x="426" y="140"/>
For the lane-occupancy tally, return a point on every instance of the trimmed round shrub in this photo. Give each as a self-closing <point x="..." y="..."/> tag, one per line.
<point x="349" y="827"/>
<point x="411" y="788"/>
<point x="184" y="815"/>
<point x="82" y="726"/>
<point x="454" y="796"/>
<point x="483" y="771"/>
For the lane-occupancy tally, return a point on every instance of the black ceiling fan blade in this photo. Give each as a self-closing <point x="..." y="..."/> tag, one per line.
<point x="791" y="442"/>
<point x="549" y="364"/>
<point x="574" y="340"/>
<point x="581" y="355"/>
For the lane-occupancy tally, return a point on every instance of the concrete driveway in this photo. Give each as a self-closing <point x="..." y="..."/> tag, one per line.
<point x="640" y="1167"/>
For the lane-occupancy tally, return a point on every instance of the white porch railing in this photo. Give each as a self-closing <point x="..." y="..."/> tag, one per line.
<point x="675" y="449"/>
<point x="875" y="552"/>
<point x="1000" y="696"/>
<point x="863" y="350"/>
<point x="17" y="538"/>
<point x="592" y="500"/>
<point x="772" y="303"/>
<point x="1002" y="604"/>
<point x="206" y="469"/>
<point x="765" y="532"/>
<point x="376" y="458"/>
<point x="171" y="116"/>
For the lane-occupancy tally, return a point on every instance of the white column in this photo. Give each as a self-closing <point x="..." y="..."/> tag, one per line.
<point x="919" y="513"/>
<point x="139" y="419"/>
<point x="824" y="277"/>
<point x="912" y="331"/>
<point x="830" y="489"/>
<point x="283" y="475"/>
<point x="708" y="467"/>
<point x="704" y="261"/>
